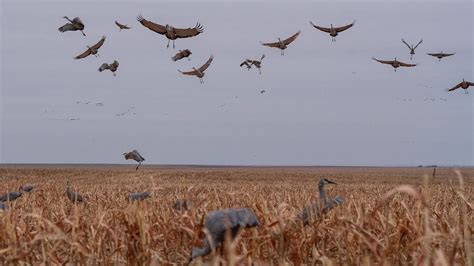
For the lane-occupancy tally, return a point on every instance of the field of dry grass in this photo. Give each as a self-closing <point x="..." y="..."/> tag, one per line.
<point x="430" y="221"/>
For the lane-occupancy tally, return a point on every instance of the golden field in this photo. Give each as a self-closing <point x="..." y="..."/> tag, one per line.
<point x="430" y="221"/>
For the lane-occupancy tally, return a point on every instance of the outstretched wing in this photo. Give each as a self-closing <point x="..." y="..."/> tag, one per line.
<point x="98" y="44"/>
<point x="406" y="65"/>
<point x="403" y="41"/>
<point x="470" y="83"/>
<point x="271" y="44"/>
<point x="207" y="64"/>
<point x="189" y="32"/>
<point x="343" y="28"/>
<point x="434" y="54"/>
<point x="383" y="61"/>
<point x="191" y="73"/>
<point x="244" y="64"/>
<point x="151" y="25"/>
<point x="418" y="43"/>
<point x="444" y="55"/>
<point x="84" y="54"/>
<point x="292" y="38"/>
<point x="328" y="30"/>
<point x="103" y="67"/>
<point x="66" y="27"/>
<point x="456" y="87"/>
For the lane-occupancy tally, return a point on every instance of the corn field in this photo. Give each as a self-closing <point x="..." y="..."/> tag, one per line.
<point x="401" y="216"/>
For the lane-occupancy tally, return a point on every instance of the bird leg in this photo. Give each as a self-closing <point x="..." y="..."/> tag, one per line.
<point x="168" y="45"/>
<point x="259" y="71"/>
<point x="83" y="33"/>
<point x="139" y="163"/>
<point x="114" y="74"/>
<point x="173" y="44"/>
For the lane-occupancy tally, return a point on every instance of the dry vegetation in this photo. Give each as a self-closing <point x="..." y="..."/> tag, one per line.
<point x="428" y="221"/>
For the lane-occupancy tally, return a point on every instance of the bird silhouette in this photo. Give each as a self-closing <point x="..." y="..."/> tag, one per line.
<point x="73" y="25"/>
<point x="112" y="67"/>
<point x="72" y="195"/>
<point x="412" y="47"/>
<point x="94" y="49"/>
<point x="333" y="31"/>
<point x="199" y="72"/>
<point x="322" y="206"/>
<point x="464" y="84"/>
<point x="282" y="45"/>
<point x="440" y="55"/>
<point x="181" y="54"/>
<point x="394" y="63"/>
<point x="134" y="155"/>
<point x="122" y="26"/>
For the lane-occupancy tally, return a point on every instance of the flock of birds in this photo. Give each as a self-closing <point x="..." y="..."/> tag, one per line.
<point x="172" y="34"/>
<point x="217" y="223"/>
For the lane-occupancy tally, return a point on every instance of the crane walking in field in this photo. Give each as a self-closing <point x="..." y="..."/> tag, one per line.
<point x="217" y="223"/>
<point x="282" y="45"/>
<point x="322" y="206"/>
<point x="73" y="25"/>
<point x="463" y="85"/>
<point x="134" y="155"/>
<point x="199" y="72"/>
<point x="394" y="63"/>
<point x="171" y="32"/>
<point x="333" y="32"/>
<point x="412" y="47"/>
<point x="94" y="49"/>
<point x="72" y="195"/>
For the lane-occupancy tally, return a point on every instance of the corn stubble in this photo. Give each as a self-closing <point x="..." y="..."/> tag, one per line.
<point x="390" y="216"/>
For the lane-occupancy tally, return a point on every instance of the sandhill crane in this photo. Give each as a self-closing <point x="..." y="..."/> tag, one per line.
<point x="73" y="25"/>
<point x="11" y="196"/>
<point x="27" y="188"/>
<point x="92" y="49"/>
<point x="199" y="72"/>
<point x="464" y="84"/>
<point x="181" y="54"/>
<point x="134" y="155"/>
<point x="394" y="63"/>
<point x="217" y="223"/>
<point x="171" y="32"/>
<point x="72" y="195"/>
<point x="333" y="31"/>
<point x="122" y="26"/>
<point x="249" y="63"/>
<point x="440" y="55"/>
<point x="323" y="205"/>
<point x="138" y="195"/>
<point x="282" y="45"/>
<point x="412" y="47"/>
<point x="112" y="67"/>
<point x="182" y="205"/>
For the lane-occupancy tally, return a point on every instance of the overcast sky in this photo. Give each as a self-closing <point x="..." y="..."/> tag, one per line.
<point x="326" y="103"/>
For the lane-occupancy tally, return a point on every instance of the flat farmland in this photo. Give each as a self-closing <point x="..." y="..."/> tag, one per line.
<point x="389" y="215"/>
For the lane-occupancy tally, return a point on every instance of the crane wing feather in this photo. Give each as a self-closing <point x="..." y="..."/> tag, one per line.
<point x="151" y="25"/>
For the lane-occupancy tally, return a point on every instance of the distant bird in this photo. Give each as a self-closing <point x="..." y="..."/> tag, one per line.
<point x="181" y="54"/>
<point x="282" y="45"/>
<point x="112" y="67"/>
<point x="92" y="50"/>
<point x="139" y="195"/>
<point x="440" y="55"/>
<point x="333" y="31"/>
<point x="411" y="47"/>
<point x="463" y="85"/>
<point x="218" y="222"/>
<point x="122" y="26"/>
<point x="27" y="188"/>
<point x="262" y="91"/>
<point x="134" y="155"/>
<point x="394" y="63"/>
<point x="322" y="206"/>
<point x="11" y="196"/>
<point x="73" y="25"/>
<point x="171" y="32"/>
<point x="182" y="205"/>
<point x="72" y="195"/>
<point x="199" y="72"/>
<point x="249" y="63"/>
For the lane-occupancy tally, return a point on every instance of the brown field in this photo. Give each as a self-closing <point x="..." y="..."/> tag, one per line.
<point x="432" y="224"/>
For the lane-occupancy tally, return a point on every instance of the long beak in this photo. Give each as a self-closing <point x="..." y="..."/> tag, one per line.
<point x="331" y="182"/>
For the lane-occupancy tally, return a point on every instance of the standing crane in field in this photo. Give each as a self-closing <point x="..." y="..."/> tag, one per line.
<point x="322" y="206"/>
<point x="94" y="49"/>
<point x="138" y="196"/>
<point x="217" y="223"/>
<point x="394" y="63"/>
<point x="122" y="26"/>
<point x="112" y="67"/>
<point x="72" y="195"/>
<point x="182" y="205"/>
<point x="282" y="45"/>
<point x="11" y="196"/>
<point x="134" y="155"/>
<point x="412" y="47"/>
<point x="463" y="85"/>
<point x="333" y="31"/>
<point x="171" y="32"/>
<point x="73" y="25"/>
<point x="199" y="72"/>
<point x="440" y="55"/>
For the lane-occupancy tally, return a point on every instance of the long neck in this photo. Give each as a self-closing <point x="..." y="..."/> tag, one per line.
<point x="322" y="194"/>
<point x="199" y="252"/>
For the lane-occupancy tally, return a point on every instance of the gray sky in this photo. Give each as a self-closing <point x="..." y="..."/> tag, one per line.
<point x="326" y="103"/>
